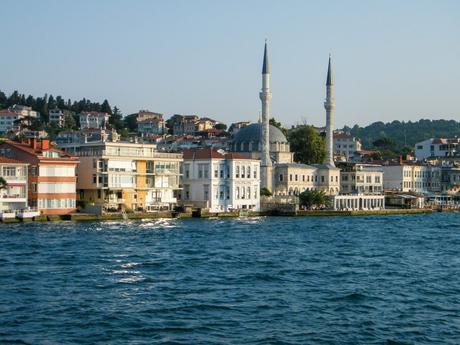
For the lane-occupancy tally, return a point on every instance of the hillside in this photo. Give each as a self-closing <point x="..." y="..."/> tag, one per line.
<point x="405" y="133"/>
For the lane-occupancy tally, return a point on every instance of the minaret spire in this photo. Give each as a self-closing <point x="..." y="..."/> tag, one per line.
<point x="329" y="106"/>
<point x="266" y="66"/>
<point x="265" y="97"/>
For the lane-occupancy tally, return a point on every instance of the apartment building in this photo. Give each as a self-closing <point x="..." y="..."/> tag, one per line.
<point x="10" y="121"/>
<point x="360" y="178"/>
<point x="436" y="147"/>
<point x="412" y="177"/>
<point x="93" y="119"/>
<point x="51" y="177"/>
<point x="57" y="116"/>
<point x="24" y="111"/>
<point x="122" y="175"/>
<point x="346" y="145"/>
<point x="13" y="195"/>
<point x="150" y="123"/>
<point x="220" y="181"/>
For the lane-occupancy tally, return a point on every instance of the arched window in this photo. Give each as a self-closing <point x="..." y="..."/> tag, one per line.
<point x="249" y="172"/>
<point x="243" y="171"/>
<point x="237" y="175"/>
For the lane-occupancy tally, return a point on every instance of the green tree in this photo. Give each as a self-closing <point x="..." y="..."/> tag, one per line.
<point x="221" y="126"/>
<point x="265" y="192"/>
<point x="314" y="199"/>
<point x="116" y="120"/>
<point x="308" y="145"/>
<point x="105" y="107"/>
<point x="278" y="125"/>
<point x="3" y="183"/>
<point x="130" y="122"/>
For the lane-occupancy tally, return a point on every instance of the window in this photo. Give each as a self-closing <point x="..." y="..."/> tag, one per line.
<point x="322" y="178"/>
<point x="290" y="177"/>
<point x="281" y="177"/>
<point x="237" y="174"/>
<point x="237" y="192"/>
<point x="34" y="187"/>
<point x="9" y="171"/>
<point x="34" y="170"/>
<point x="94" y="179"/>
<point x="296" y="177"/>
<point x="243" y="171"/>
<point x="255" y="172"/>
<point x="216" y="173"/>
<point x="248" y="172"/>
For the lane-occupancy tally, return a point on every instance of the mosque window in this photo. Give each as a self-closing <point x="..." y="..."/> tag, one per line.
<point x="281" y="177"/>
<point x="290" y="177"/>
<point x="237" y="175"/>
<point x="322" y="178"/>
<point x="296" y="177"/>
<point x="249" y="172"/>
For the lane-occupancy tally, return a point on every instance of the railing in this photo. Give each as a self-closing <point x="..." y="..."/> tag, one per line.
<point x="128" y="154"/>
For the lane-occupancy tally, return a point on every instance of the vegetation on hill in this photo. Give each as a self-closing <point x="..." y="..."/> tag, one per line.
<point x="71" y="108"/>
<point x="399" y="134"/>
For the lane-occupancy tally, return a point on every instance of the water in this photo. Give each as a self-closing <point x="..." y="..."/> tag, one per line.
<point x="355" y="280"/>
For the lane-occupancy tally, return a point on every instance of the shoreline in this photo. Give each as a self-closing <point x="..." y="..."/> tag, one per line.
<point x="86" y="217"/>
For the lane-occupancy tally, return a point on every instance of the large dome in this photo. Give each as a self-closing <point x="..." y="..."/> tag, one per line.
<point x="248" y="139"/>
<point x="252" y="133"/>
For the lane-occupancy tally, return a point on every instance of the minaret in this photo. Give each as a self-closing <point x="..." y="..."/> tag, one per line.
<point x="265" y="96"/>
<point x="329" y="106"/>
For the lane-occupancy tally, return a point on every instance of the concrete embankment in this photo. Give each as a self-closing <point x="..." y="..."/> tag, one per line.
<point x="205" y="215"/>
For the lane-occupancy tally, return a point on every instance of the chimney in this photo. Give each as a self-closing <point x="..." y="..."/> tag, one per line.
<point x="33" y="143"/>
<point x="45" y="144"/>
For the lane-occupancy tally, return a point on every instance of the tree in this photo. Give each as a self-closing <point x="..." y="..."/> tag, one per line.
<point x="265" y="192"/>
<point x="314" y="199"/>
<point x="3" y="100"/>
<point x="221" y="126"/>
<point x="69" y="121"/>
<point x="3" y="183"/>
<point x="105" y="107"/>
<point x="307" y="145"/>
<point x="130" y="122"/>
<point x="278" y="125"/>
<point x="116" y="120"/>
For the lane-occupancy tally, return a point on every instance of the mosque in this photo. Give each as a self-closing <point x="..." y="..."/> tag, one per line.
<point x="279" y="173"/>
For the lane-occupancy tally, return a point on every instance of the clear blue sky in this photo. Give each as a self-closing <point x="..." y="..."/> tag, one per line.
<point x="392" y="59"/>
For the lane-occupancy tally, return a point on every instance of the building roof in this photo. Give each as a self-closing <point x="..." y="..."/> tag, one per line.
<point x="209" y="153"/>
<point x="252" y="133"/>
<point x="4" y="160"/>
<point x="38" y="150"/>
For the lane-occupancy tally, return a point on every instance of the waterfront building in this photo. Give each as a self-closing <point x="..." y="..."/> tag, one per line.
<point x="361" y="178"/>
<point x="436" y="147"/>
<point x="93" y="119"/>
<point x="356" y="202"/>
<point x="220" y="181"/>
<point x="51" y="176"/>
<point x="184" y="124"/>
<point x="346" y="145"/>
<point x="13" y="195"/>
<point x="407" y="176"/>
<point x="124" y="175"/>
<point x="150" y="123"/>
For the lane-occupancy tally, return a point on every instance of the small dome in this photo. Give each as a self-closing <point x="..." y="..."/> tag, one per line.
<point x="252" y="133"/>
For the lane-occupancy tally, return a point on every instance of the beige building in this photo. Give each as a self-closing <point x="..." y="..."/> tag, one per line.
<point x="293" y="179"/>
<point x="361" y="178"/>
<point x="412" y="177"/>
<point x="122" y="175"/>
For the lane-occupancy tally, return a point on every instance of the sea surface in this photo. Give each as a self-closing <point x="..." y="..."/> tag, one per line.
<point x="331" y="280"/>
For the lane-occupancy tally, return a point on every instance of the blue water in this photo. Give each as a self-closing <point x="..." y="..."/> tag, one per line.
<point x="350" y="280"/>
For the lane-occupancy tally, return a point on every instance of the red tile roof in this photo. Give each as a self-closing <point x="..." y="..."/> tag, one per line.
<point x="4" y="160"/>
<point x="38" y="151"/>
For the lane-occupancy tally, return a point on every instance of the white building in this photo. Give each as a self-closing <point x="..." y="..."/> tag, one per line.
<point x="361" y="178"/>
<point x="410" y="177"/>
<point x="220" y="181"/>
<point x="57" y="116"/>
<point x="437" y="147"/>
<point x="13" y="196"/>
<point x="346" y="145"/>
<point x="24" y="110"/>
<point x="93" y="119"/>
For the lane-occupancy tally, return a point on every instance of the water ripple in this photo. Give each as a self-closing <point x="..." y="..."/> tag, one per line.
<point x="279" y="280"/>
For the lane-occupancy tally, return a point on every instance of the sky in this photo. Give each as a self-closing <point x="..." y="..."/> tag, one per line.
<point x="392" y="60"/>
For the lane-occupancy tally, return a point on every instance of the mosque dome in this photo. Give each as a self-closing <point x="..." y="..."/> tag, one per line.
<point x="249" y="139"/>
